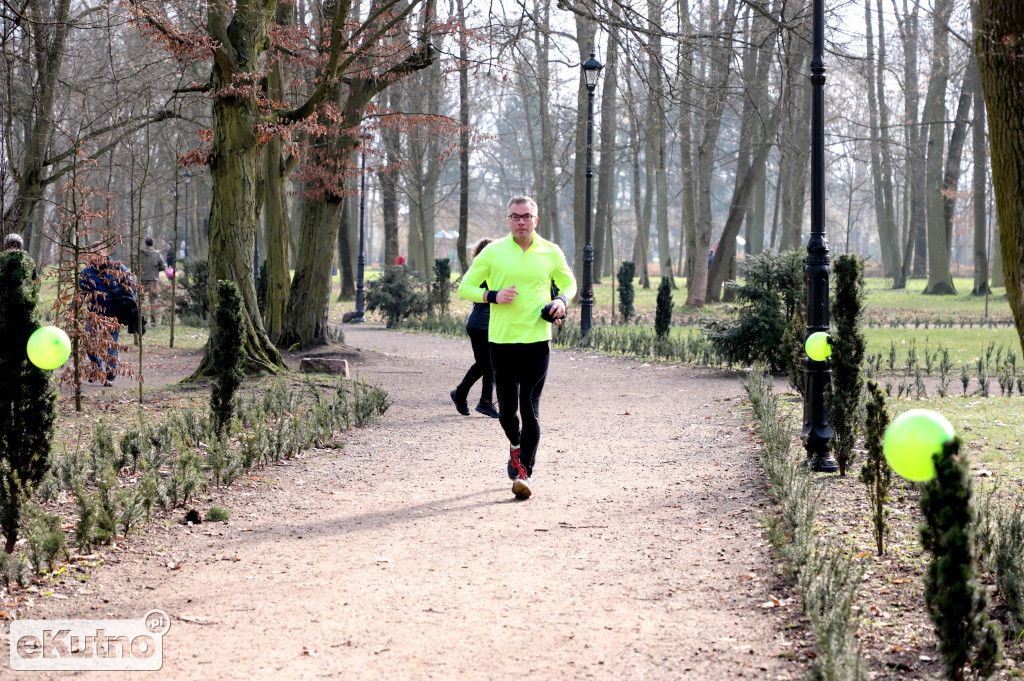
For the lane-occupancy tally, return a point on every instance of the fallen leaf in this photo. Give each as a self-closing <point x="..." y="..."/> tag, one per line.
<point x="174" y="565"/>
<point x="193" y="619"/>
<point x="309" y="652"/>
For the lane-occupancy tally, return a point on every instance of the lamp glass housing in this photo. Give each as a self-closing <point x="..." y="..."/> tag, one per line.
<point x="591" y="70"/>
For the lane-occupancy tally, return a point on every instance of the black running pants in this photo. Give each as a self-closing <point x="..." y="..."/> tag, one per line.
<point x="519" y="373"/>
<point x="481" y="368"/>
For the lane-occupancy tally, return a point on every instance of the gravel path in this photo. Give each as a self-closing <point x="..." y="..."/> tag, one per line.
<point x="405" y="556"/>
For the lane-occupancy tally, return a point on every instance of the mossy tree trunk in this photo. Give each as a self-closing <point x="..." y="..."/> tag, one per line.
<point x="305" y="321"/>
<point x="235" y="171"/>
<point x="1000" y="47"/>
<point x="277" y="167"/>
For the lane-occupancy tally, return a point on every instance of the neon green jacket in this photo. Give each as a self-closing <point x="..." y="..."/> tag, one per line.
<point x="503" y="264"/>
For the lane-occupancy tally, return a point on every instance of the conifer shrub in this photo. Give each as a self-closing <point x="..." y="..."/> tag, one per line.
<point x="397" y="294"/>
<point x="627" y="271"/>
<point x="442" y="289"/>
<point x="955" y="601"/>
<point x="875" y="473"/>
<point x="193" y="277"/>
<point x="1008" y="559"/>
<point x="227" y="354"/>
<point x="844" y="397"/>
<point x="771" y="296"/>
<point x="28" y="397"/>
<point x="663" y="313"/>
<point x="44" y="538"/>
<point x="217" y="514"/>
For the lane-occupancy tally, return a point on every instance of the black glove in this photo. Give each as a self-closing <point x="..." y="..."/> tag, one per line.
<point x="545" y="314"/>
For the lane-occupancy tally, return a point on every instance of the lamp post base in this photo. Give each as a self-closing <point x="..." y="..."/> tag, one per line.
<point x="820" y="463"/>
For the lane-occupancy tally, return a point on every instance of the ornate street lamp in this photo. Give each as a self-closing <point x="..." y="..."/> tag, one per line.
<point x="591" y="71"/>
<point x="817" y="431"/>
<point x="364" y="139"/>
<point x="187" y="177"/>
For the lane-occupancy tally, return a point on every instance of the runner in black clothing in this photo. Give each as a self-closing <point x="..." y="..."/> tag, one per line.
<point x="476" y="327"/>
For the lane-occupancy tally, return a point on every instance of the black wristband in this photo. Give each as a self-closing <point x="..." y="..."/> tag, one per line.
<point x="492" y="296"/>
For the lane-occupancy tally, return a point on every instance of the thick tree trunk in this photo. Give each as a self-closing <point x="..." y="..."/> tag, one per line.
<point x="724" y="264"/>
<point x="306" y="319"/>
<point x="346" y="253"/>
<point x="641" y="202"/>
<point x="463" y="145"/>
<point x="606" y="169"/>
<point x="688" y="209"/>
<point x="1001" y="59"/>
<point x="656" y="125"/>
<point x="549" y="226"/>
<point x="881" y="167"/>
<point x="275" y="203"/>
<point x="388" y="180"/>
<point x="797" y="158"/>
<point x="712" y="112"/>
<point x="951" y="178"/>
<point x="49" y="33"/>
<point x="234" y="169"/>
<point x="940" y="280"/>
<point x="980" y="183"/>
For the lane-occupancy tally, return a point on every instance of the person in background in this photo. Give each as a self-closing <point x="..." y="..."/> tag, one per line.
<point x="152" y="265"/>
<point x="519" y="269"/>
<point x="100" y="281"/>
<point x="400" y="261"/>
<point x="476" y="327"/>
<point x="13" y="241"/>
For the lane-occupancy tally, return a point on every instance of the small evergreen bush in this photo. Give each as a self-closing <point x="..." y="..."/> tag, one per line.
<point x="956" y="602"/>
<point x="28" y="397"/>
<point x="1009" y="568"/>
<point x="442" y="290"/>
<point x="227" y="354"/>
<point x="217" y="514"/>
<point x="627" y="271"/>
<point x="663" y="313"/>
<point x="771" y="296"/>
<point x="193" y="275"/>
<point x="397" y="294"/>
<point x="844" y="396"/>
<point x="876" y="473"/>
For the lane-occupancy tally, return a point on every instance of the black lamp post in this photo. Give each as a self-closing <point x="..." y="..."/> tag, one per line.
<point x="591" y="70"/>
<point x="817" y="431"/>
<point x="364" y="138"/>
<point x="187" y="177"/>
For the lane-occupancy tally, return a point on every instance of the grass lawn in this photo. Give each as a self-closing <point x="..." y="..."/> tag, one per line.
<point x="964" y="345"/>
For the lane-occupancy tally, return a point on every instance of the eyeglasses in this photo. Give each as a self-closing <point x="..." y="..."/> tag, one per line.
<point x="517" y="218"/>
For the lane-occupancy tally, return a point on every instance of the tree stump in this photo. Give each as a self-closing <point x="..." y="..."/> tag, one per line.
<point x="324" y="365"/>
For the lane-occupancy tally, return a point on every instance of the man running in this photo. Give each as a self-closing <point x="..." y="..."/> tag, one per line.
<point x="519" y="269"/>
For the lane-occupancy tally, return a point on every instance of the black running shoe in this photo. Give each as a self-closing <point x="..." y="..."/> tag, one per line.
<point x="487" y="409"/>
<point x="460" y="405"/>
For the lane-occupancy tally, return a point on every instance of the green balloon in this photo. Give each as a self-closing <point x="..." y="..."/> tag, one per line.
<point x="818" y="347"/>
<point x="912" y="439"/>
<point x="48" y="347"/>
